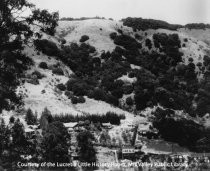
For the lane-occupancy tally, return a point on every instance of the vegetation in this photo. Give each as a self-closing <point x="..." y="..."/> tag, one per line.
<point x="84" y="38"/>
<point x="43" y="65"/>
<point x="80" y="19"/>
<point x="109" y="117"/>
<point x="15" y="63"/>
<point x="197" y="26"/>
<point x="55" y="143"/>
<point x="145" y="24"/>
<point x="87" y="153"/>
<point x="61" y="87"/>
<point x="184" y="131"/>
<point x="47" y="47"/>
<point x="57" y="71"/>
<point x="31" y="118"/>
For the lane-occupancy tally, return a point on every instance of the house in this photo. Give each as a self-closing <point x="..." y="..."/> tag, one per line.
<point x="130" y="152"/>
<point x="29" y="132"/>
<point x="70" y="126"/>
<point x="107" y="125"/>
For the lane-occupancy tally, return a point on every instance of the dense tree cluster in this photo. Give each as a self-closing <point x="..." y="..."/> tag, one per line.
<point x="87" y="152"/>
<point x="80" y="19"/>
<point x="197" y="26"/>
<point x="145" y="24"/>
<point x="109" y="117"/>
<point x="184" y="131"/>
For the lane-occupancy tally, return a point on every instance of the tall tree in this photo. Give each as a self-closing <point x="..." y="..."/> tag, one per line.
<point x="4" y="137"/>
<point x="87" y="153"/>
<point x="16" y="30"/>
<point x="55" y="143"/>
<point x="30" y="118"/>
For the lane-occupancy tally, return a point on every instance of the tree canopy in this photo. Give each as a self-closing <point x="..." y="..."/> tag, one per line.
<point x="16" y="30"/>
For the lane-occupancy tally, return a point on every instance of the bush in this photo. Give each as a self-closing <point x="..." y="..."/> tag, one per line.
<point x="118" y="93"/>
<point x="38" y="74"/>
<point x="47" y="47"/>
<point x="84" y="38"/>
<point x="74" y="100"/>
<point x="112" y="100"/>
<point x="69" y="94"/>
<point x="131" y="74"/>
<point x="99" y="94"/>
<point x="185" y="40"/>
<point x="57" y="71"/>
<point x="61" y="87"/>
<point x="129" y="101"/>
<point x="127" y="89"/>
<point x="113" y="35"/>
<point x="148" y="43"/>
<point x="120" y="31"/>
<point x="81" y="99"/>
<point x="43" y="65"/>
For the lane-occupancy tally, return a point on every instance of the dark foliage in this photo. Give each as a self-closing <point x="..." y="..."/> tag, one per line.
<point x="197" y="26"/>
<point x="47" y="47"/>
<point x="183" y="131"/>
<point x="113" y="35"/>
<point x="43" y="65"/>
<point x="80" y="19"/>
<point x="84" y="38"/>
<point x="109" y="117"/>
<point x="145" y="24"/>
<point x="57" y="71"/>
<point x="31" y="118"/>
<point x="148" y="43"/>
<point x="87" y="153"/>
<point x="129" y="101"/>
<point x="54" y="143"/>
<point x="61" y="87"/>
<point x="38" y="74"/>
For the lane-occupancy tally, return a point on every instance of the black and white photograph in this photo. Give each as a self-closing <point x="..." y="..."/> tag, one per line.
<point x="104" y="85"/>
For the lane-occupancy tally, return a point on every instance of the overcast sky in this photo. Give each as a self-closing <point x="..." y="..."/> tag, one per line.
<point x="172" y="11"/>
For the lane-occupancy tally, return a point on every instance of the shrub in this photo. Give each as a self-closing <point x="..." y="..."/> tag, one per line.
<point x="206" y="60"/>
<point x="127" y="89"/>
<point x="81" y="99"/>
<point x="129" y="101"/>
<point x="63" y="41"/>
<point x="38" y="74"/>
<point x="131" y="74"/>
<point x="113" y="35"/>
<point x="84" y="38"/>
<point x="43" y="65"/>
<point x="112" y="100"/>
<point x="99" y="94"/>
<point x="148" y="43"/>
<point x="57" y="71"/>
<point x="69" y="94"/>
<point x="118" y="93"/>
<point x="47" y="47"/>
<point x="120" y="31"/>
<point x="138" y="37"/>
<point x="74" y="100"/>
<point x="185" y="40"/>
<point x="61" y="87"/>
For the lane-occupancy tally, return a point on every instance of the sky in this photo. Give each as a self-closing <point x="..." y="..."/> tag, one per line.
<point x="172" y="11"/>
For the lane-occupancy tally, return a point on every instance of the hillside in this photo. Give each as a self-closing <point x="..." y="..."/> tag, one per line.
<point x="116" y="69"/>
<point x="45" y="94"/>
